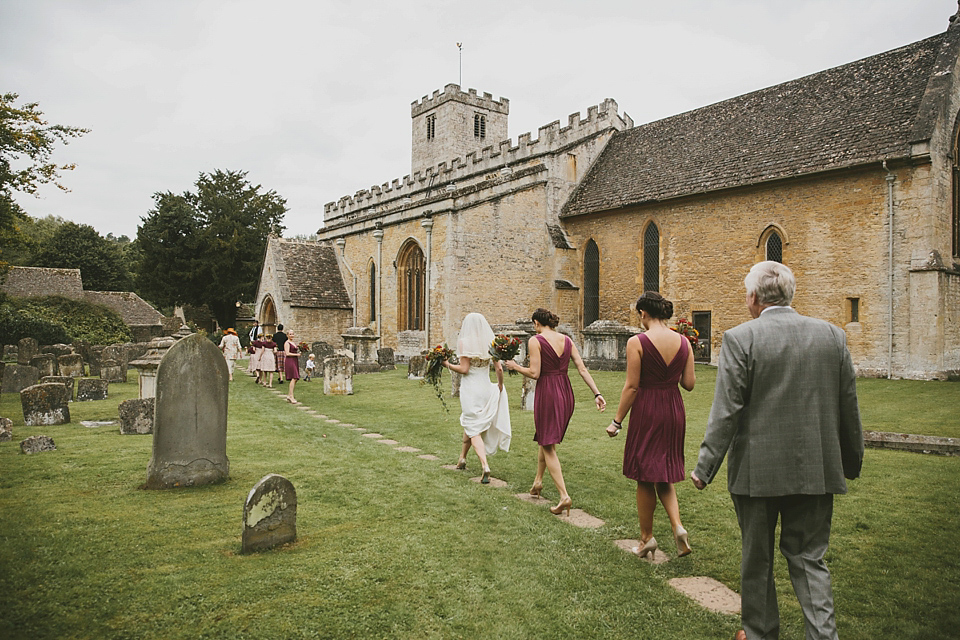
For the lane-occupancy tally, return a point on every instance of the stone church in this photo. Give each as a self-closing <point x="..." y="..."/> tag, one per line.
<point x="851" y="176"/>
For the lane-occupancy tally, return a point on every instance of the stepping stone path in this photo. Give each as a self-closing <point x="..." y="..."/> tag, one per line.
<point x="705" y="591"/>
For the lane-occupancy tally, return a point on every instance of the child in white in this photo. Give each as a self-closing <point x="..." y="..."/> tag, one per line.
<point x="311" y="367"/>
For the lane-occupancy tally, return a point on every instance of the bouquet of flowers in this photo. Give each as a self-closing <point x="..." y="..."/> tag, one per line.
<point x="303" y="347"/>
<point x="435" y="358"/>
<point x="685" y="328"/>
<point x="505" y="348"/>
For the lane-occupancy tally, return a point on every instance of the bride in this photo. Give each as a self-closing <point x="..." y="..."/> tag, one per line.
<point x="485" y="416"/>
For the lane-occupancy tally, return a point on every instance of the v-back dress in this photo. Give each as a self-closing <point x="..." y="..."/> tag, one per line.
<point x="484" y="407"/>
<point x="658" y="422"/>
<point x="553" y="399"/>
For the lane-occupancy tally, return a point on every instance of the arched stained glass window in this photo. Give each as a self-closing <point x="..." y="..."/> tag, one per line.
<point x="651" y="258"/>
<point x="411" y="274"/>
<point x="591" y="284"/>
<point x="373" y="292"/>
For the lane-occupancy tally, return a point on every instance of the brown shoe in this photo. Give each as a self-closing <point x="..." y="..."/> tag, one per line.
<point x="740" y="635"/>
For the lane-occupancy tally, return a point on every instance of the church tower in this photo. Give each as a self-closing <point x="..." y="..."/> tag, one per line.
<point x="453" y="123"/>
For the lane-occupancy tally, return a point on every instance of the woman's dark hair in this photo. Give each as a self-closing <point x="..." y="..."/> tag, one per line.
<point x="546" y="318"/>
<point x="656" y="305"/>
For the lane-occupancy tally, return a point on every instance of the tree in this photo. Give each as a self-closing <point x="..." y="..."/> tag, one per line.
<point x="79" y="246"/>
<point x="207" y="247"/>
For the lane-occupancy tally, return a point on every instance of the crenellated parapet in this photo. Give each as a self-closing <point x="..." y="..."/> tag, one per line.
<point x="453" y="92"/>
<point x="551" y="138"/>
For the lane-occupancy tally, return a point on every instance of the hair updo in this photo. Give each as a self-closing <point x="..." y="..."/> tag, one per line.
<point x="546" y="318"/>
<point x="656" y="305"/>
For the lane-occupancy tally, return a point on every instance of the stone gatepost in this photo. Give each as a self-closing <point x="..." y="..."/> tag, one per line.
<point x="338" y="376"/>
<point x="147" y="365"/>
<point x="190" y="419"/>
<point x="605" y="345"/>
<point x="416" y="368"/>
<point x="71" y="365"/>
<point x="66" y="381"/>
<point x="45" y="404"/>
<point x="46" y="364"/>
<point x="17" y="377"/>
<point x="92" y="389"/>
<point x="269" y="514"/>
<point x="362" y="341"/>
<point x="26" y="349"/>
<point x="136" y="416"/>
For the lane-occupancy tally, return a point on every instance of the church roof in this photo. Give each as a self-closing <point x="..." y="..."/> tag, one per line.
<point x="865" y="111"/>
<point x="132" y="308"/>
<point x="310" y="275"/>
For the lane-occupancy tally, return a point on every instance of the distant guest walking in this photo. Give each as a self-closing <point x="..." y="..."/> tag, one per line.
<point x="256" y="331"/>
<point x="230" y="346"/>
<point x="266" y="361"/>
<point x="657" y="360"/>
<point x="291" y="369"/>
<point x="553" y="403"/>
<point x="280" y="338"/>
<point x="786" y="408"/>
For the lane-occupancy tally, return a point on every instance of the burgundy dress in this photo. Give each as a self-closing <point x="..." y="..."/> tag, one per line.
<point x="291" y="365"/>
<point x="654" y="448"/>
<point x="553" y="399"/>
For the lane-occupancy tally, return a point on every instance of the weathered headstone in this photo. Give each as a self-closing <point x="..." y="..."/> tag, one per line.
<point x="386" y="359"/>
<point x="416" y="368"/>
<point x="338" y="376"/>
<point x="134" y="351"/>
<point x="17" y="377"/>
<point x="3" y="366"/>
<point x="190" y="419"/>
<point x="322" y="350"/>
<point x="26" y="349"/>
<point x="115" y="352"/>
<point x="527" y="394"/>
<point x="136" y="416"/>
<point x="10" y="352"/>
<point x="57" y="349"/>
<point x="269" y="514"/>
<point x="455" y="379"/>
<point x="362" y="342"/>
<point x="113" y="370"/>
<point x="66" y="381"/>
<point x="92" y="389"/>
<point x="71" y="365"/>
<point x="45" y="404"/>
<point x="6" y="429"/>
<point x="37" y="444"/>
<point x="46" y="364"/>
<point x="92" y="357"/>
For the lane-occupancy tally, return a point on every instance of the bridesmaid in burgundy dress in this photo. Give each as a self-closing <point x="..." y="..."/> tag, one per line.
<point x="550" y="354"/>
<point x="291" y="365"/>
<point x="657" y="360"/>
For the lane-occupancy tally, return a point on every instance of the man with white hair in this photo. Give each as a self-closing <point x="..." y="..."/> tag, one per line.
<point x="785" y="406"/>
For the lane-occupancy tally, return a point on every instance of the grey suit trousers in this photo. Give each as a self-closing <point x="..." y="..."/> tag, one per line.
<point x="804" y="536"/>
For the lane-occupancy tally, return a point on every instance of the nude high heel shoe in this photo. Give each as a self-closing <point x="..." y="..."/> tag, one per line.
<point x="536" y="489"/>
<point x="683" y="544"/>
<point x="647" y="548"/>
<point x="565" y="503"/>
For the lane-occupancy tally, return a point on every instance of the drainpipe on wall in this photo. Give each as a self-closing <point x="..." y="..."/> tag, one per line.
<point x="341" y="242"/>
<point x="891" y="177"/>
<point x="428" y="225"/>
<point x="378" y="236"/>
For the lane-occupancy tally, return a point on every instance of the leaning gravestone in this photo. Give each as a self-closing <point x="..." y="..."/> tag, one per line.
<point x="46" y="364"/>
<point x="45" y="404"/>
<point x="37" y="444"/>
<point x="338" y="376"/>
<point x="26" y="349"/>
<point x="416" y="368"/>
<point x="190" y="418"/>
<point x="269" y="514"/>
<point x="92" y="389"/>
<point x="71" y="365"/>
<point x="113" y="370"/>
<point x="385" y="359"/>
<point x="6" y="429"/>
<point x="17" y="377"/>
<point x="64" y="380"/>
<point x="136" y="416"/>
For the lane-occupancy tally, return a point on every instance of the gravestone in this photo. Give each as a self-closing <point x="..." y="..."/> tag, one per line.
<point x="322" y="350"/>
<point x="57" y="349"/>
<point x="134" y="351"/>
<point x="17" y="377"/>
<point x="416" y="368"/>
<point x="190" y="417"/>
<point x="3" y="366"/>
<point x="362" y="342"/>
<point x="113" y="370"/>
<point x="71" y="365"/>
<point x="386" y="359"/>
<point x="10" y="352"/>
<point x="528" y="393"/>
<point x="66" y="381"/>
<point x="455" y="379"/>
<point x="37" y="444"/>
<point x="136" y="416"/>
<point x="92" y="357"/>
<point x="338" y="376"/>
<point x="26" y="349"/>
<point x="92" y="389"/>
<point x="115" y="352"/>
<point x="6" y="429"/>
<point x="45" y="404"/>
<point x="46" y="364"/>
<point x="269" y="514"/>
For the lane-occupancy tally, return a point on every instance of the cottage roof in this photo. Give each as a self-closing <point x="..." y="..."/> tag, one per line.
<point x="865" y="111"/>
<point x="310" y="275"/>
<point x="134" y="310"/>
<point x="29" y="282"/>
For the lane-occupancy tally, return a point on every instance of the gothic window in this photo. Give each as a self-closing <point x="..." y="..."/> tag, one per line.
<point x="591" y="284"/>
<point x="411" y="276"/>
<point x="373" y="293"/>
<point x="775" y="247"/>
<point x="431" y="126"/>
<point x="479" y="126"/>
<point x="651" y="258"/>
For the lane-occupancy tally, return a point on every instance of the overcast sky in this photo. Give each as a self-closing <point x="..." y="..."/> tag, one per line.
<point x="312" y="98"/>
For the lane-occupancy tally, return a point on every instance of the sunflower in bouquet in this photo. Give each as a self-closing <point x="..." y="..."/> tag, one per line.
<point x="505" y="348"/>
<point x="435" y="358"/>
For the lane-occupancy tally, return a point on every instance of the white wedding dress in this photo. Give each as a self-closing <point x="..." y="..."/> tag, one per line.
<point x="485" y="411"/>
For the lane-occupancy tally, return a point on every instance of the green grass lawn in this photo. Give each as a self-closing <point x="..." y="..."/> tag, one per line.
<point x="391" y="545"/>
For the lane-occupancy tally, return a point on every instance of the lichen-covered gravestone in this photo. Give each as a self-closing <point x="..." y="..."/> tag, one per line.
<point x="45" y="404"/>
<point x="46" y="364"/>
<point x="136" y="416"/>
<point x="64" y="380"/>
<point x="17" y="377"/>
<point x="416" y="368"/>
<point x="338" y="376"/>
<point x="269" y="514"/>
<point x="190" y="416"/>
<point x="26" y="349"/>
<point x="92" y="389"/>
<point x="37" y="444"/>
<point x="6" y="429"/>
<point x="113" y="370"/>
<point x="386" y="359"/>
<point x="71" y="365"/>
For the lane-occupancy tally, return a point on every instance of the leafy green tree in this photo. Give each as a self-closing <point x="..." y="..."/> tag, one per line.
<point x="79" y="246"/>
<point x="206" y="247"/>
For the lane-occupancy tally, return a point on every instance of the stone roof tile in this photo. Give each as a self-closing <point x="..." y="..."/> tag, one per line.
<point x="132" y="308"/>
<point x="313" y="276"/>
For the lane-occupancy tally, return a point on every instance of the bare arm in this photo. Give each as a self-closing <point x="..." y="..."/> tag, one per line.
<point x="462" y="367"/>
<point x="630" y="386"/>
<point x="689" y="376"/>
<point x="585" y="374"/>
<point x="499" y="367"/>
<point x="533" y="371"/>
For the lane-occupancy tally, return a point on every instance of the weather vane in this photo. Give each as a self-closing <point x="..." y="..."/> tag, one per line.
<point x="460" y="49"/>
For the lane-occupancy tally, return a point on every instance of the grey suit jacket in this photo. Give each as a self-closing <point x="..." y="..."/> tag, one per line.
<point x="786" y="408"/>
